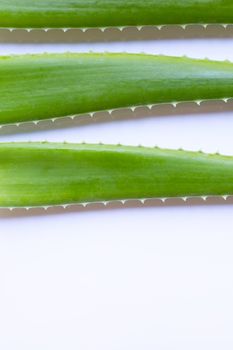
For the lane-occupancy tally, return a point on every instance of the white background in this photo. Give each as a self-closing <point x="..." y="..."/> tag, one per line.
<point x="157" y="276"/>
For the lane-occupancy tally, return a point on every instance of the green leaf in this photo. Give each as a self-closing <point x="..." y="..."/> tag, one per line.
<point x="104" y="13"/>
<point x="43" y="174"/>
<point x="34" y="87"/>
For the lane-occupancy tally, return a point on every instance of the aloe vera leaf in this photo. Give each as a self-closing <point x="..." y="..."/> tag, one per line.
<point x="105" y="13"/>
<point x="34" y="87"/>
<point x="43" y="174"/>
